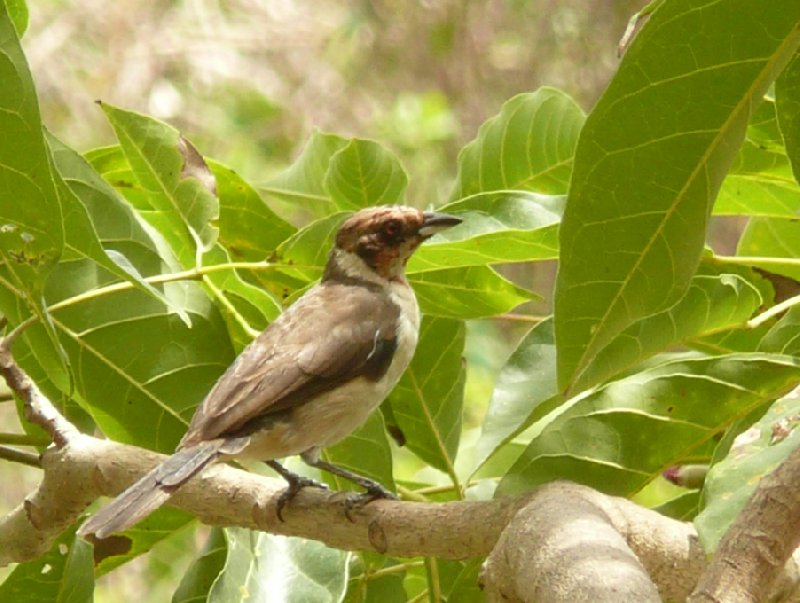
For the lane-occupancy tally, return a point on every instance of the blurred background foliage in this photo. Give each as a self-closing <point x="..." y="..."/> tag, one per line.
<point x="248" y="81"/>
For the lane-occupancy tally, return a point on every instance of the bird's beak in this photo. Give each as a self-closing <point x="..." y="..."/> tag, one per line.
<point x="433" y="222"/>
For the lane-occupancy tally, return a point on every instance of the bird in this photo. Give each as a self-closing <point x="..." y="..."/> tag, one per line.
<point x="312" y="377"/>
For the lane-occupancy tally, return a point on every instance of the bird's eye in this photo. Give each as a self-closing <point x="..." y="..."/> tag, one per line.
<point x="391" y="230"/>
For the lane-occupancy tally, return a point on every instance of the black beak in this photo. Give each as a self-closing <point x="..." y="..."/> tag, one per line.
<point x="433" y="222"/>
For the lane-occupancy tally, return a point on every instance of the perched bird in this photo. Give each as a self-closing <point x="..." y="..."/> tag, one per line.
<point x="313" y="376"/>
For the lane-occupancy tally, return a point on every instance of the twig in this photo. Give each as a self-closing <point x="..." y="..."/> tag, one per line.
<point x="23" y="439"/>
<point x="18" y="456"/>
<point x="38" y="409"/>
<point x="757" y="321"/>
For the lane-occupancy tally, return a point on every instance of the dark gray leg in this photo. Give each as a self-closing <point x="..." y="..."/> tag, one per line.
<point x="373" y="488"/>
<point x="296" y="483"/>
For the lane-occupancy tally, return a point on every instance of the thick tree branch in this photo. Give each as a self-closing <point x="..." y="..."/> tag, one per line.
<point x="563" y="542"/>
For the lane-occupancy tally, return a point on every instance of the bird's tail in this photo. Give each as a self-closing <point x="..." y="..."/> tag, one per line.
<point x="152" y="490"/>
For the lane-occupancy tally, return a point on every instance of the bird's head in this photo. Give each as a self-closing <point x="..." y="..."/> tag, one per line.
<point x="379" y="240"/>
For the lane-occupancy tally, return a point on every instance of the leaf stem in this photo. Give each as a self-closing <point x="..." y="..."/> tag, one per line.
<point x="757" y="321"/>
<point x="741" y="260"/>
<point x="393" y="569"/>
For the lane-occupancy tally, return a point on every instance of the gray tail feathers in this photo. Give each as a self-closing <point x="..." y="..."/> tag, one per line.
<point x="152" y="490"/>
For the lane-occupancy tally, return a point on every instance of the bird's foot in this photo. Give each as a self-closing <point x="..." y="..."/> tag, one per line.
<point x="374" y="491"/>
<point x="297" y="483"/>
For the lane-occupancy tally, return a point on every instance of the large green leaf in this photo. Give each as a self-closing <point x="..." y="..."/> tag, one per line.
<point x="302" y="183"/>
<point x="335" y="174"/>
<point x="528" y="146"/>
<point x="715" y="301"/>
<point x="427" y="402"/>
<point x="173" y="177"/>
<point x="526" y="381"/>
<point x="621" y="436"/>
<point x="758" y="452"/>
<point x="263" y="567"/>
<point x="86" y="197"/>
<point x="31" y="225"/>
<point x="497" y="228"/>
<point x="651" y="158"/>
<point x="248" y="228"/>
<point x="466" y="293"/>
<point x="787" y="98"/>
<point x="244" y="306"/>
<point x="363" y="173"/>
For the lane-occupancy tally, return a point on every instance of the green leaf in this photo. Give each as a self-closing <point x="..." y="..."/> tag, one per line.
<point x="757" y="452"/>
<point x="31" y="225"/>
<point x="650" y="160"/>
<point x="760" y="182"/>
<point x="62" y="575"/>
<point x="363" y="173"/>
<point x="366" y="452"/>
<point x="784" y="336"/>
<point x="715" y="301"/>
<point x="528" y="146"/>
<point x="787" y="100"/>
<point x="467" y="293"/>
<point x="248" y="228"/>
<point x="18" y="11"/>
<point x="199" y="578"/>
<point x="84" y="194"/>
<point x="305" y="253"/>
<point x="619" y="437"/>
<point x="526" y="381"/>
<point x="174" y="178"/>
<point x="775" y="245"/>
<point x="263" y="567"/>
<point x="135" y="541"/>
<point x="244" y="306"/>
<point x="497" y="228"/>
<point x="302" y="183"/>
<point x="427" y="402"/>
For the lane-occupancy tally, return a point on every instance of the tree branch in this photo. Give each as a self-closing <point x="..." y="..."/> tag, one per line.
<point x="755" y="548"/>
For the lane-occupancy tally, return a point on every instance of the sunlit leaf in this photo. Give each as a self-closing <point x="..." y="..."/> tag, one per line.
<point x="466" y="293"/>
<point x="363" y="173"/>
<point x="427" y="402"/>
<point x="619" y="437"/>
<point x="261" y="567"/>
<point x="527" y="379"/>
<point x="730" y="482"/>
<point x="642" y="188"/>
<point x="502" y="227"/>
<point x="787" y="100"/>
<point x="171" y="173"/>
<point x="528" y="146"/>
<point x="62" y="575"/>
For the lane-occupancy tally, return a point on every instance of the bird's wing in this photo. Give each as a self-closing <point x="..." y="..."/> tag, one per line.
<point x="335" y="333"/>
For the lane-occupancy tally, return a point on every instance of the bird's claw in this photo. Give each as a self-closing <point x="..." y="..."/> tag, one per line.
<point x="291" y="491"/>
<point x="357" y="501"/>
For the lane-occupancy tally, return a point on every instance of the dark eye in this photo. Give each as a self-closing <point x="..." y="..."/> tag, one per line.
<point x="392" y="230"/>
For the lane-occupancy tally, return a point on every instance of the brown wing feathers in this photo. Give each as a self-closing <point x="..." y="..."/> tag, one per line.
<point x="280" y="369"/>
